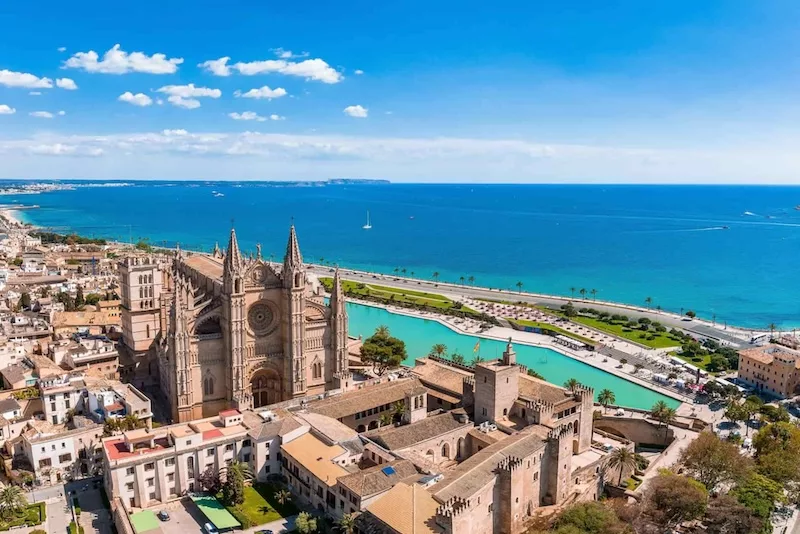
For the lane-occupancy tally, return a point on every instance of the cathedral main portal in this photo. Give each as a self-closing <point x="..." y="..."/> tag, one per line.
<point x="266" y="387"/>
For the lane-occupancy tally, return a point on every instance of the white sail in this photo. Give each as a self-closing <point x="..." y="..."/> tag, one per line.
<point x="368" y="225"/>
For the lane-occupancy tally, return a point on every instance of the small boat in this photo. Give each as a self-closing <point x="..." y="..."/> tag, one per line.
<point x="218" y="194"/>
<point x="367" y="226"/>
<point x="726" y="227"/>
<point x="797" y="207"/>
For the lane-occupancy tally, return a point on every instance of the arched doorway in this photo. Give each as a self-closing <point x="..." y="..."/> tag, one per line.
<point x="446" y="451"/>
<point x="266" y="388"/>
<point x="461" y="452"/>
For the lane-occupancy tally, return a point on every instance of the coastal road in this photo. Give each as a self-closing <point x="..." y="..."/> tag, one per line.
<point x="734" y="336"/>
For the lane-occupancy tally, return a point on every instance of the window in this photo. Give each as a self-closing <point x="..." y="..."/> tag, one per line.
<point x="208" y="385"/>
<point x="169" y="462"/>
<point x="246" y="443"/>
<point x="65" y="458"/>
<point x="53" y="406"/>
<point x="536" y="476"/>
<point x="229" y="447"/>
<point x="45" y="462"/>
<point x="129" y="486"/>
<point x="152" y="495"/>
<point x="149" y="467"/>
<point x="209" y="452"/>
<point x="150" y="482"/>
<point x="147" y="331"/>
<point x="246" y="458"/>
<point x="129" y="471"/>
<point x="171" y="477"/>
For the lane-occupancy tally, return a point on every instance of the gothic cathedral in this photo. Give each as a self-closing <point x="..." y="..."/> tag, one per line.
<point x="244" y="333"/>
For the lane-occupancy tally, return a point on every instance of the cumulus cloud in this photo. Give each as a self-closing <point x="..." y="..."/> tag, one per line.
<point x="275" y="117"/>
<point x="359" y="72"/>
<point x="41" y="114"/>
<point x="247" y="116"/>
<point x="138" y="99"/>
<point x="288" y="54"/>
<point x="60" y="149"/>
<point x="175" y="132"/>
<point x="6" y="110"/>
<point x="62" y="113"/>
<point x="117" y="61"/>
<point x="310" y="69"/>
<point x="263" y="92"/>
<point x="217" y="67"/>
<point x="359" y="112"/>
<point x="62" y="48"/>
<point x="10" y="78"/>
<point x="185" y="96"/>
<point x="66" y="83"/>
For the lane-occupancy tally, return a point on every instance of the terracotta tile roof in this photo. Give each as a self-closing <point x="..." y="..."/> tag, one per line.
<point x="535" y="388"/>
<point x="353" y="402"/>
<point x="228" y="413"/>
<point x="407" y="508"/>
<point x="400" y="437"/>
<point x="317" y="457"/>
<point x="378" y="479"/>
<point x="441" y="375"/>
<point x="476" y="471"/>
<point x="766" y="354"/>
<point x="210" y="267"/>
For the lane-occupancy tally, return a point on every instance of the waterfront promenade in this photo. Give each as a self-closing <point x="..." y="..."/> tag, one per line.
<point x="726" y="333"/>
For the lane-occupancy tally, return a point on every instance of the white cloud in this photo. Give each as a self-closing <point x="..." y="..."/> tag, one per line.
<point x="247" y="116"/>
<point x="159" y="102"/>
<point x="185" y="96"/>
<point x="35" y="93"/>
<point x="217" y="67"/>
<point x="117" y="61"/>
<point x="359" y="112"/>
<point x="66" y="83"/>
<point x="138" y="99"/>
<point x="175" y="132"/>
<point x="288" y="54"/>
<point x="62" y="48"/>
<point x="60" y="149"/>
<point x="41" y="114"/>
<point x="6" y="110"/>
<point x="62" y="113"/>
<point x="10" y="78"/>
<point x="359" y="72"/>
<point x="263" y="92"/>
<point x="310" y="69"/>
<point x="275" y="117"/>
<point x="181" y="102"/>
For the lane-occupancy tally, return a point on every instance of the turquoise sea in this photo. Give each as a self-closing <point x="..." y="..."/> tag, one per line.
<point x="421" y="334"/>
<point x="727" y="252"/>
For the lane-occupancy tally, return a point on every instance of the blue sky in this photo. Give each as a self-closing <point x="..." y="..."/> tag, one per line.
<point x="679" y="91"/>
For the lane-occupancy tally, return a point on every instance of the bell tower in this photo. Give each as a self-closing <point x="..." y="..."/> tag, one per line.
<point x="233" y="291"/>
<point x="294" y="284"/>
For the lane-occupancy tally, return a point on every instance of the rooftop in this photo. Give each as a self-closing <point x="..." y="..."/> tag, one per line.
<point x="768" y="353"/>
<point x="538" y="389"/>
<point x="400" y="437"/>
<point x="407" y="508"/>
<point x="353" y="402"/>
<point x="317" y="457"/>
<point x="207" y="265"/>
<point x="441" y="375"/>
<point x="378" y="479"/>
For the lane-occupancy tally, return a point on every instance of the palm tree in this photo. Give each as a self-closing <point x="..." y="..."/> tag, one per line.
<point x="403" y="270"/>
<point x="396" y="270"/>
<point x="462" y="280"/>
<point x="412" y="274"/>
<point x="772" y="327"/>
<point x="457" y="358"/>
<point x="572" y="290"/>
<point x="605" y="398"/>
<point x="582" y="291"/>
<point x="658" y="409"/>
<point x="658" y="308"/>
<point x="648" y="301"/>
<point x="283" y="496"/>
<point x="667" y="418"/>
<point x="621" y="460"/>
<point x="12" y="500"/>
<point x="440" y="349"/>
<point x="571" y="384"/>
<point x="347" y="524"/>
<point x="594" y="294"/>
<point x="436" y="275"/>
<point x="321" y="260"/>
<point x="519" y="286"/>
<point x="471" y="280"/>
<point x="382" y="331"/>
<point x="240" y="469"/>
<point x="476" y="360"/>
<point x="397" y="409"/>
<point x="386" y="418"/>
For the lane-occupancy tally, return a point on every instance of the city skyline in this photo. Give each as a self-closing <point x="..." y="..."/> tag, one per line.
<point x="469" y="93"/>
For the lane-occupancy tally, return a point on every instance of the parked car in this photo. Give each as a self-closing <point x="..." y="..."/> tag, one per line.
<point x="210" y="529"/>
<point x="163" y="515"/>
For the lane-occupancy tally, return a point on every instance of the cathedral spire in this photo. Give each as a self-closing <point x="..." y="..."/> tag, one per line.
<point x="217" y="253"/>
<point x="293" y="259"/>
<point x="233" y="257"/>
<point x="337" y="295"/>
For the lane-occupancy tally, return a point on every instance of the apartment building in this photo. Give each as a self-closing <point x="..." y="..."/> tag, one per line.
<point x="771" y="369"/>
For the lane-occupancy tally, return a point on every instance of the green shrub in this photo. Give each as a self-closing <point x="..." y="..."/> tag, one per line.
<point x="240" y="517"/>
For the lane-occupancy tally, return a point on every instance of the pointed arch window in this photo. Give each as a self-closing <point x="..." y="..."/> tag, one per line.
<point x="208" y="385"/>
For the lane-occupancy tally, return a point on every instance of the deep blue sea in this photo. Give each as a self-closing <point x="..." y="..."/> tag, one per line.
<point x="727" y="252"/>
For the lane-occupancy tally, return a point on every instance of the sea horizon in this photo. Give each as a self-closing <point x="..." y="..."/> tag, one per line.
<point x="723" y="251"/>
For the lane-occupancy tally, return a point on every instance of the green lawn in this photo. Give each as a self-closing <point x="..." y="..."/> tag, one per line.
<point x="552" y="328"/>
<point x="660" y="339"/>
<point x="395" y="295"/>
<point x="260" y="506"/>
<point x="704" y="360"/>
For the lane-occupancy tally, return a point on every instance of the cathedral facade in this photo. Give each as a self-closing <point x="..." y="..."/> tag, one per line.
<point x="245" y="333"/>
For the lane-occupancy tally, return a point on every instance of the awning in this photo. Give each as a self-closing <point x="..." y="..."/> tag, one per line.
<point x="215" y="512"/>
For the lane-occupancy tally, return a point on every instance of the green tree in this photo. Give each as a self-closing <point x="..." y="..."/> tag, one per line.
<point x="209" y="480"/>
<point x="462" y="278"/>
<point x="383" y="351"/>
<point x="605" y="398"/>
<point x="759" y="494"/>
<point x="714" y="462"/>
<point x="571" y="384"/>
<point x="25" y="301"/>
<point x="457" y="358"/>
<point x="658" y="409"/>
<point x="476" y="360"/>
<point x="572" y="291"/>
<point x="347" y="524"/>
<point x="622" y="461"/>
<point x="471" y="280"/>
<point x="283" y="496"/>
<point x="648" y="301"/>
<point x="235" y="476"/>
<point x="439" y="349"/>
<point x="386" y="418"/>
<point x="305" y="523"/>
<point x="772" y="327"/>
<point x="12" y="501"/>
<point x="691" y="314"/>
<point x="594" y="294"/>
<point x="725" y="515"/>
<point x="79" y="300"/>
<point x="534" y="374"/>
<point x="672" y="499"/>
<point x="519" y="286"/>
<point x="436" y="275"/>
<point x="774" y="414"/>
<point x="589" y="518"/>
<point x="582" y="291"/>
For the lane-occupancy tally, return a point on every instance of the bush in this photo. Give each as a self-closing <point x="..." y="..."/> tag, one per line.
<point x="76" y="506"/>
<point x="240" y="517"/>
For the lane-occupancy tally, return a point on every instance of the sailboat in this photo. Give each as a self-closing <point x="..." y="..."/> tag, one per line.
<point x="367" y="226"/>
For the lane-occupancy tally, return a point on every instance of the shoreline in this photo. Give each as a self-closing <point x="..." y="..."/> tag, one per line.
<point x="520" y="338"/>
